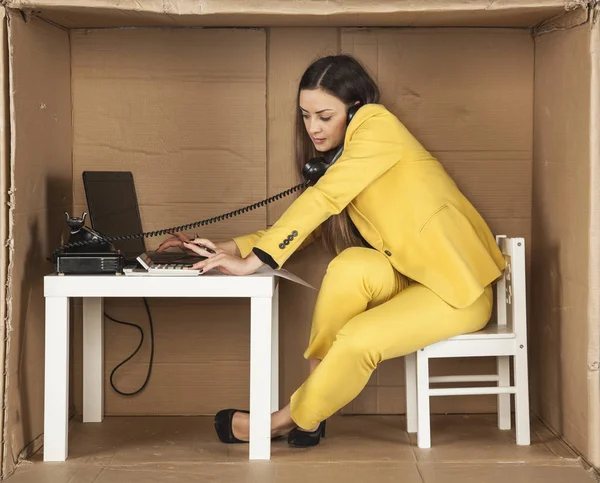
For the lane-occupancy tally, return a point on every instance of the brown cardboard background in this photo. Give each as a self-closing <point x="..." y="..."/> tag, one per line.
<point x="41" y="192"/>
<point x="575" y="354"/>
<point x="283" y="13"/>
<point x="561" y="371"/>
<point x="593" y="417"/>
<point x="4" y="211"/>
<point x="184" y="111"/>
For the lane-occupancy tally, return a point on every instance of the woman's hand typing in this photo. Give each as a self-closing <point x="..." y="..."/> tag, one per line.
<point x="222" y="260"/>
<point x="179" y="240"/>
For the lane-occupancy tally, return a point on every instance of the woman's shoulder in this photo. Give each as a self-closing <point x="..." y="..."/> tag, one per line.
<point x="370" y="110"/>
<point x="376" y="117"/>
<point x="373" y="113"/>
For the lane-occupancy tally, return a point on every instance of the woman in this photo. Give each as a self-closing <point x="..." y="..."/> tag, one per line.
<point x="414" y="261"/>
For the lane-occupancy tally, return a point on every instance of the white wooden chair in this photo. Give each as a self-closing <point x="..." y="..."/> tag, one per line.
<point x="505" y="339"/>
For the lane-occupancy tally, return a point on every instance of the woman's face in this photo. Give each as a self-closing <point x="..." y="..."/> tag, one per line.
<point x="324" y="118"/>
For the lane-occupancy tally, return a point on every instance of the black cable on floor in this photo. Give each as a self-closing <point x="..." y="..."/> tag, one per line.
<point x="136" y="350"/>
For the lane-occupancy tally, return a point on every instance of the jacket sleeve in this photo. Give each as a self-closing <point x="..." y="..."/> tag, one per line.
<point x="246" y="243"/>
<point x="374" y="143"/>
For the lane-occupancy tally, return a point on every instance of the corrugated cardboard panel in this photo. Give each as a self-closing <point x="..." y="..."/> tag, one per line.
<point x="201" y="356"/>
<point x="594" y="276"/>
<point x="40" y="193"/>
<point x="467" y="96"/>
<point x="186" y="7"/>
<point x="462" y="90"/>
<point x="562" y="218"/>
<point x="283" y="13"/>
<point x="4" y="184"/>
<point x="284" y="73"/>
<point x="185" y="111"/>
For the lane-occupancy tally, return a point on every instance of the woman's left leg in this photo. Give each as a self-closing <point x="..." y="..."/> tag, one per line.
<point x="414" y="318"/>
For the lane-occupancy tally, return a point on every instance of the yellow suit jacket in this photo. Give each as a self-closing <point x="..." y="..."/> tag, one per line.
<point x="403" y="203"/>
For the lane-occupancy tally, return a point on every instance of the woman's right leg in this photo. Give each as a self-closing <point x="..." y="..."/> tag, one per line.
<point x="356" y="280"/>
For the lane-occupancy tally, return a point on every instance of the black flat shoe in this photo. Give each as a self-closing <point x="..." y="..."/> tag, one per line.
<point x="303" y="439"/>
<point x="223" y="425"/>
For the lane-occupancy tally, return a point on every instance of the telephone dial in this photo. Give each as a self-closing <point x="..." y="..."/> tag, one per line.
<point x="80" y="236"/>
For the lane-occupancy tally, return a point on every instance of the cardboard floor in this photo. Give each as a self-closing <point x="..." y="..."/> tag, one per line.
<point x="466" y="449"/>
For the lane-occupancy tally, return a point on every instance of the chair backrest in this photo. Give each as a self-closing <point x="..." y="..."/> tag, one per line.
<point x="511" y="295"/>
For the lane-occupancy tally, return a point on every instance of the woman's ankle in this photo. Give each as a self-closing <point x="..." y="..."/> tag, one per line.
<point x="282" y="430"/>
<point x="281" y="422"/>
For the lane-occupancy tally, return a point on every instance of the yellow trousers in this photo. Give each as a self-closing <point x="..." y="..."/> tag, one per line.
<point x="366" y="312"/>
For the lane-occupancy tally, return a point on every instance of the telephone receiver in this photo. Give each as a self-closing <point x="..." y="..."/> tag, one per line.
<point x="78" y="232"/>
<point x="312" y="171"/>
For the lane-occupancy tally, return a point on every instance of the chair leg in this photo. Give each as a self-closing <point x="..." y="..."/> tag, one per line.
<point x="424" y="429"/>
<point x="504" y="417"/>
<point x="410" y="370"/>
<point x="522" y="397"/>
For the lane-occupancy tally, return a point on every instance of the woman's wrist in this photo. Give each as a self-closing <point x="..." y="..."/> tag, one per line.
<point x="253" y="261"/>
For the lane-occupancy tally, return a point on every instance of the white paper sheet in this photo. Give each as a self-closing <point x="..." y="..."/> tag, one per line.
<point x="265" y="269"/>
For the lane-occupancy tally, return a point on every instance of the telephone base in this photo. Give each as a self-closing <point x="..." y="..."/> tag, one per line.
<point x="89" y="263"/>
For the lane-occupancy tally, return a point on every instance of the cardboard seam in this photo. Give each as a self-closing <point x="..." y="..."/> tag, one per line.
<point x="27" y="15"/>
<point x="576" y="14"/>
<point x="10" y="249"/>
<point x="268" y="191"/>
<point x="72" y="204"/>
<point x="593" y="321"/>
<point x="4" y="235"/>
<point x="199" y="7"/>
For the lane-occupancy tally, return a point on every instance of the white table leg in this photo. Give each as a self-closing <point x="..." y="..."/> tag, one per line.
<point x="261" y="310"/>
<point x="56" y="382"/>
<point x="93" y="359"/>
<point x="275" y="351"/>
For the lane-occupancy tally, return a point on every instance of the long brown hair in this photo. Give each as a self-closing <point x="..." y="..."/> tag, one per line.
<point x="344" y="77"/>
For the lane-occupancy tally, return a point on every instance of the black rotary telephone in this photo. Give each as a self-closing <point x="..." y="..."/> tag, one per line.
<point x="83" y="235"/>
<point x="312" y="171"/>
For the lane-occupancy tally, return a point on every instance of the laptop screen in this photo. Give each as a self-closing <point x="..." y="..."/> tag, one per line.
<point x="113" y="208"/>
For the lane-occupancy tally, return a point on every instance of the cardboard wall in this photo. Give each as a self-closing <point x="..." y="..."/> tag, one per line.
<point x="276" y="13"/>
<point x="185" y="109"/>
<point x="40" y="170"/>
<point x="4" y="184"/>
<point x="565" y="296"/>
<point x="180" y="110"/>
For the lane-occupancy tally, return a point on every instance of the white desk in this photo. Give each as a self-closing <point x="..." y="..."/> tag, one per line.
<point x="261" y="288"/>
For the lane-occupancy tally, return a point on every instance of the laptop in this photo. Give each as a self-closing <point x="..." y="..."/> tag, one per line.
<point x="113" y="210"/>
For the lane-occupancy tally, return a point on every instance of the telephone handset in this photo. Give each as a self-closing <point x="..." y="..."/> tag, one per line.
<point x="312" y="171"/>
